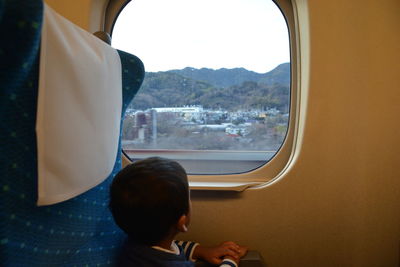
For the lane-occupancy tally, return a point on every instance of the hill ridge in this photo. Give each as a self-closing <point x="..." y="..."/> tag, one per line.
<point x="240" y="89"/>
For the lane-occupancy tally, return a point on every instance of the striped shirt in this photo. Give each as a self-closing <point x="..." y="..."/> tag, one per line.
<point x="180" y="255"/>
<point x="188" y="248"/>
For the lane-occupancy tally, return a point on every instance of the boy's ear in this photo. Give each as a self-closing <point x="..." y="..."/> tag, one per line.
<point x="183" y="223"/>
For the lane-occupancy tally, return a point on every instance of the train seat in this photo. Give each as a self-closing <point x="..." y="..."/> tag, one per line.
<point x="76" y="232"/>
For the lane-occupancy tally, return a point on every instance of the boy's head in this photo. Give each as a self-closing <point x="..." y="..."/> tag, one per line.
<point x="149" y="198"/>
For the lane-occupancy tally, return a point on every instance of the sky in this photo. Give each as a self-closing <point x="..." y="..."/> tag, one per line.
<point x="174" y="34"/>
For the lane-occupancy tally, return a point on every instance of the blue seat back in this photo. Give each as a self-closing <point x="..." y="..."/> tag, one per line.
<point x="77" y="232"/>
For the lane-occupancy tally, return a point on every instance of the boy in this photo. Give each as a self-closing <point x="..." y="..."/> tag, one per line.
<point x="150" y="201"/>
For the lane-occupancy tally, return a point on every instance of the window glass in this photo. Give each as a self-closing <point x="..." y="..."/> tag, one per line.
<point x="216" y="95"/>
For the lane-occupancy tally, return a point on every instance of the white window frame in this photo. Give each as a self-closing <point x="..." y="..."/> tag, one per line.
<point x="280" y="163"/>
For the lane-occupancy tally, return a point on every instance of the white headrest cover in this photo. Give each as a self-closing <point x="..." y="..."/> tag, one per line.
<point x="79" y="110"/>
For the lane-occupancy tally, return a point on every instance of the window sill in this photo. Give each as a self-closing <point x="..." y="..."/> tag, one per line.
<point x="221" y="186"/>
<point x="208" y="162"/>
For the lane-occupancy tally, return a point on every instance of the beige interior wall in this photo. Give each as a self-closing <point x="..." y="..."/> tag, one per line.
<point x="340" y="203"/>
<point x="87" y="14"/>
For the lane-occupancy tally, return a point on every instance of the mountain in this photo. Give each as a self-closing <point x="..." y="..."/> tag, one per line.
<point x="228" y="77"/>
<point x="167" y="89"/>
<point x="229" y="89"/>
<point x="279" y="75"/>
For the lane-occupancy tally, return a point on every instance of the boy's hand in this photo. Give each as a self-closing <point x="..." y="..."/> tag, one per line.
<point x="215" y="255"/>
<point x="242" y="252"/>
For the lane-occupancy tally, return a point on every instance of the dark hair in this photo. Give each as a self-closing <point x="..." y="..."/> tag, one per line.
<point x="148" y="197"/>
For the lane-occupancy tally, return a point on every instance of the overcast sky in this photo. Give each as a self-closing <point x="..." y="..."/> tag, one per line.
<point x="174" y="34"/>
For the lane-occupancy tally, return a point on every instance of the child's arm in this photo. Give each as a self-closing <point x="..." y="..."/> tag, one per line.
<point x="226" y="254"/>
<point x="188" y="248"/>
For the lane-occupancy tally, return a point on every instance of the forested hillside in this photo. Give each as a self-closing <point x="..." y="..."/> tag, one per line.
<point x="229" y="89"/>
<point x="228" y="77"/>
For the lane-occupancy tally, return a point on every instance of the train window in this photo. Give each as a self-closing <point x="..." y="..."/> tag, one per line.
<point x="218" y="95"/>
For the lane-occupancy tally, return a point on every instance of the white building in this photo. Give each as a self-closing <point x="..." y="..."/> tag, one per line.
<point x="189" y="112"/>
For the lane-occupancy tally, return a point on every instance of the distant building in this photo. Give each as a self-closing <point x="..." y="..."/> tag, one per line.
<point x="143" y="126"/>
<point x="240" y="130"/>
<point x="189" y="112"/>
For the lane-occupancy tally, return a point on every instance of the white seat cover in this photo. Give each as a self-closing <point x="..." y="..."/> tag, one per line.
<point x="79" y="110"/>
